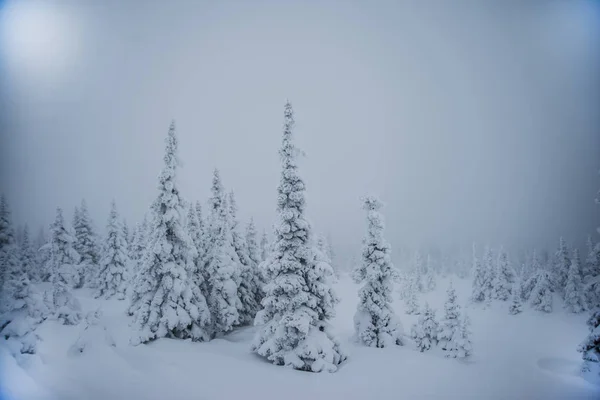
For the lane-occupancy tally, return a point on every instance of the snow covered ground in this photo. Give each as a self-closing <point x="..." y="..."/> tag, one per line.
<point x="527" y="356"/>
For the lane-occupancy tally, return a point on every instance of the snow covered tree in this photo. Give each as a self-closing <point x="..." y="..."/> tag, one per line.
<point x="62" y="266"/>
<point x="166" y="302"/>
<point x="222" y="264"/>
<point x="86" y="244"/>
<point x="254" y="258"/>
<point x="562" y="262"/>
<point x="479" y="276"/>
<point x="429" y="278"/>
<point x="113" y="270"/>
<point x="139" y="244"/>
<point x="574" y="298"/>
<point x="463" y="346"/>
<point x="299" y="300"/>
<point x="540" y="288"/>
<point x="489" y="268"/>
<point x="591" y="267"/>
<point x="264" y="247"/>
<point x="9" y="257"/>
<point x="22" y="304"/>
<point x="375" y="323"/>
<point x="590" y="347"/>
<point x="27" y="258"/>
<point x="247" y="285"/>
<point x="516" y="305"/>
<point x="505" y="277"/>
<point x="332" y="257"/>
<point x="126" y="235"/>
<point x="193" y="228"/>
<point x="425" y="332"/>
<point x="450" y="325"/>
<point x="201" y="239"/>
<point x="411" y="288"/>
<point x="419" y="271"/>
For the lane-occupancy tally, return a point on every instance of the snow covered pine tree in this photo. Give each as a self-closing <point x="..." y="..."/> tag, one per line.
<point x="574" y="298"/>
<point x="86" y="245"/>
<point x="113" y="270"/>
<point x="375" y="323"/>
<point x="425" y="331"/>
<point x="165" y="300"/>
<point x="62" y="266"/>
<point x="222" y="264"/>
<point x="299" y="299"/>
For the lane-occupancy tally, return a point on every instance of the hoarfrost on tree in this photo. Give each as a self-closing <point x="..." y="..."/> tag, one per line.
<point x="299" y="301"/>
<point x="425" y="332"/>
<point x="113" y="269"/>
<point x="247" y="285"/>
<point x="62" y="267"/>
<point x="574" y="298"/>
<point x="222" y="263"/>
<point x="375" y="323"/>
<point x="166" y="302"/>
<point x="86" y="244"/>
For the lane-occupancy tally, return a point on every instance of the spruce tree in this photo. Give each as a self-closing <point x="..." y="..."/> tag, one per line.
<point x="375" y="323"/>
<point x="590" y="347"/>
<point x="516" y="305"/>
<point x="462" y="340"/>
<point x="139" y="244"/>
<point x="114" y="264"/>
<point x="505" y="277"/>
<point x="429" y="282"/>
<point x="299" y="300"/>
<point x="201" y="239"/>
<point x="540" y="296"/>
<point x="477" y="292"/>
<point x="86" y="244"/>
<point x="264" y="247"/>
<point x="126" y="235"/>
<point x="450" y="325"/>
<point x="591" y="266"/>
<point x="489" y="268"/>
<point x="9" y="257"/>
<point x="574" y="298"/>
<point x="562" y="262"/>
<point x="62" y="265"/>
<point x="27" y="257"/>
<point x="254" y="258"/>
<point x="22" y="305"/>
<point x="247" y="284"/>
<point x="222" y="264"/>
<point x="425" y="331"/>
<point x="165" y="300"/>
<point x="419" y="272"/>
<point x="411" y="301"/>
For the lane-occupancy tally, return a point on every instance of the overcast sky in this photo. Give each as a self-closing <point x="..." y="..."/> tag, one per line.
<point x="474" y="121"/>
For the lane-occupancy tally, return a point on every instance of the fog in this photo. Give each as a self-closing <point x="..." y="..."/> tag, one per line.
<point x="473" y="122"/>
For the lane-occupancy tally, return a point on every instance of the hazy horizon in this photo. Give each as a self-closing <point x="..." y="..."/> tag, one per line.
<point x="472" y="122"/>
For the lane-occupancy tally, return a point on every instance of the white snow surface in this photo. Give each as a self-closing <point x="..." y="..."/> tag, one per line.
<point x="527" y="356"/>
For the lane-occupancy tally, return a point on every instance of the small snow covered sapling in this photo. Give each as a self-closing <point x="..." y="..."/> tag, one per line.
<point x="516" y="306"/>
<point x="425" y="331"/>
<point x="410" y="296"/>
<point x="590" y="347"/>
<point x="574" y="298"/>
<point x="450" y="325"/>
<point x="462" y="339"/>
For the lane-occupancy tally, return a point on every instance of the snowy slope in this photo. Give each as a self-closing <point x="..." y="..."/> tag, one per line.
<point x="527" y="356"/>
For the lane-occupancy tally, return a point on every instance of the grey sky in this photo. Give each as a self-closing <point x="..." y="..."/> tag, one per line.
<point x="472" y="120"/>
